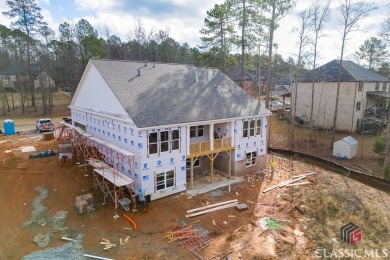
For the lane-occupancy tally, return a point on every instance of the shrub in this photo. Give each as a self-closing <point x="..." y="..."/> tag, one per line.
<point x="380" y="144"/>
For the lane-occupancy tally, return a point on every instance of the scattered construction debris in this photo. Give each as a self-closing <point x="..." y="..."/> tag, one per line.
<point x="97" y="257"/>
<point x="211" y="208"/>
<point x="125" y="241"/>
<point x="84" y="204"/>
<point x="241" y="206"/>
<point x="131" y="221"/>
<point x="107" y="244"/>
<point x="271" y="223"/>
<point x="192" y="231"/>
<point x="42" y="154"/>
<point x="71" y="240"/>
<point x="289" y="182"/>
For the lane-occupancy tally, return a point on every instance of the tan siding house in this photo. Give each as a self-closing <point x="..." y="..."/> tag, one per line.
<point x="360" y="88"/>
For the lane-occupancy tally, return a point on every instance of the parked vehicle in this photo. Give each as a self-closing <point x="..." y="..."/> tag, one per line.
<point x="44" y="124"/>
<point x="67" y="120"/>
<point x="276" y="105"/>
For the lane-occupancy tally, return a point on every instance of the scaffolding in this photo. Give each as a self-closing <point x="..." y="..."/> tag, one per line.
<point x="108" y="162"/>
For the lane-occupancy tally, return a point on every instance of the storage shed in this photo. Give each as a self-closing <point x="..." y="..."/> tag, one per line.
<point x="345" y="148"/>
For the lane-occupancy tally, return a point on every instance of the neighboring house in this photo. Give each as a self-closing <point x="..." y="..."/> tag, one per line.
<point x="176" y="119"/>
<point x="282" y="88"/>
<point x="251" y="79"/>
<point x="14" y="75"/>
<point x="360" y="89"/>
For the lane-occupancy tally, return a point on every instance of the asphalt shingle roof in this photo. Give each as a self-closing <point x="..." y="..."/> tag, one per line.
<point x="350" y="72"/>
<point x="168" y="94"/>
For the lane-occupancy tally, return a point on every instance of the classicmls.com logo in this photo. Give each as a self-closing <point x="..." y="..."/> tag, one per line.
<point x="350" y="233"/>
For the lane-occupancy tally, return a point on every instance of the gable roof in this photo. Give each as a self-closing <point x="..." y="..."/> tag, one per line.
<point x="19" y="69"/>
<point x="350" y="72"/>
<point x="169" y="94"/>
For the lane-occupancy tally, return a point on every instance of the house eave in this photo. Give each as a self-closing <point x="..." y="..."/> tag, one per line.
<point x="128" y="119"/>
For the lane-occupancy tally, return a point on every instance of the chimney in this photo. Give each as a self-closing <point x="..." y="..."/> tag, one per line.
<point x="146" y="63"/>
<point x="196" y="76"/>
<point x="139" y="72"/>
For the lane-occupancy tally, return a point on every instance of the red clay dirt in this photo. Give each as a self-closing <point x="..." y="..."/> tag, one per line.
<point x="241" y="234"/>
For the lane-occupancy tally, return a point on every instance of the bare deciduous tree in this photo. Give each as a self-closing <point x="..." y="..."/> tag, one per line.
<point x="351" y="13"/>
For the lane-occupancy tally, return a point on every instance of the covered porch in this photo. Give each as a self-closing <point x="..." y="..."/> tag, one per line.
<point x="218" y="143"/>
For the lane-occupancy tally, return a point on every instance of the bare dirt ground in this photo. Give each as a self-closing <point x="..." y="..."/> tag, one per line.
<point x="35" y="191"/>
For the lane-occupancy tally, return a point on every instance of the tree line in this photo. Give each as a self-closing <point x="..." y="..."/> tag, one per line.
<point x="236" y="33"/>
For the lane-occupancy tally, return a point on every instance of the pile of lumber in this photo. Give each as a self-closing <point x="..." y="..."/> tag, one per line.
<point x="211" y="208"/>
<point x="292" y="182"/>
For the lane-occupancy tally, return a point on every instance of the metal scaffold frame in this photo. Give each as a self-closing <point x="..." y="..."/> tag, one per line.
<point x="107" y="161"/>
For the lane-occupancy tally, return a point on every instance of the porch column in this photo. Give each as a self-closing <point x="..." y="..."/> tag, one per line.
<point x="211" y="136"/>
<point x="232" y="133"/>
<point x="230" y="164"/>
<point x="212" y="167"/>
<point x="188" y="139"/>
<point x="192" y="173"/>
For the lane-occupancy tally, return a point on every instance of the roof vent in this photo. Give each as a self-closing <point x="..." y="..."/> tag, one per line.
<point x="139" y="72"/>
<point x="146" y="63"/>
<point x="196" y="76"/>
<point x="154" y="65"/>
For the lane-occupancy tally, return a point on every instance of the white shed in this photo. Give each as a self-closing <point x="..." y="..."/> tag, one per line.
<point x="345" y="148"/>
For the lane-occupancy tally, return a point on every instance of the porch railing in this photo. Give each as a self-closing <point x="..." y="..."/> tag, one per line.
<point x="205" y="145"/>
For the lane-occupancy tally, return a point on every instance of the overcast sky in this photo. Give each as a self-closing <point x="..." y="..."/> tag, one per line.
<point x="184" y="19"/>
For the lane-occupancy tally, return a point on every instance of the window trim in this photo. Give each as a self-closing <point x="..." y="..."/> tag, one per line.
<point x="252" y="159"/>
<point x="169" y="141"/>
<point x="196" y="129"/>
<point x="165" y="181"/>
<point x="250" y="128"/>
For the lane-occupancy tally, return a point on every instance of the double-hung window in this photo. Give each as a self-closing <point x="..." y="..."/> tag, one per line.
<point x="164" y="141"/>
<point x="153" y="143"/>
<point x="175" y="140"/>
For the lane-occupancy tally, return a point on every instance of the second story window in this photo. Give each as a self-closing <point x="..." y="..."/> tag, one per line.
<point x="175" y="141"/>
<point x="360" y="87"/>
<point x="196" y="131"/>
<point x="163" y="141"/>
<point x="358" y="105"/>
<point x="251" y="128"/>
<point x="384" y="86"/>
<point x="376" y="85"/>
<point x="153" y="143"/>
